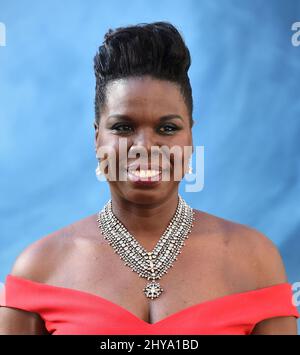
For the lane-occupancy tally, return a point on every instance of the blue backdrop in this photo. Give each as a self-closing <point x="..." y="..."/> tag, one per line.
<point x="245" y="76"/>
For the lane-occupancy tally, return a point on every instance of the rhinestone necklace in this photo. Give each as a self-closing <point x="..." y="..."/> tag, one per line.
<point x="151" y="265"/>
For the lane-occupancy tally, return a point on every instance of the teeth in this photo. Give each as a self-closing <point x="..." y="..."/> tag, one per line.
<point x="145" y="173"/>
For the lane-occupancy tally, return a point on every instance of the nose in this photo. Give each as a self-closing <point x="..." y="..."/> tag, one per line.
<point x="147" y="146"/>
<point x="144" y="139"/>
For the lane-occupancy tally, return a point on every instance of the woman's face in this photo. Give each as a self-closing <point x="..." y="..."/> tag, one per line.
<point x="135" y="112"/>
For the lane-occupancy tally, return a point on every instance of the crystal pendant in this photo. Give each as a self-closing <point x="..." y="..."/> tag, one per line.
<point x="152" y="289"/>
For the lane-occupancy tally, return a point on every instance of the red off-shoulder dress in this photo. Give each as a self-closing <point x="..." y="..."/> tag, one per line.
<point x="70" y="311"/>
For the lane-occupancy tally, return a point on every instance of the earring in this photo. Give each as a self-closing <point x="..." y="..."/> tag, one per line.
<point x="190" y="171"/>
<point x="98" y="172"/>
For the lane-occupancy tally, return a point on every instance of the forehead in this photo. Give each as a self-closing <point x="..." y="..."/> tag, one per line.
<point x="144" y="94"/>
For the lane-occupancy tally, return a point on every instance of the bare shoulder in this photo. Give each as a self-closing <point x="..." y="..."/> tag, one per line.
<point x="39" y="260"/>
<point x="245" y="246"/>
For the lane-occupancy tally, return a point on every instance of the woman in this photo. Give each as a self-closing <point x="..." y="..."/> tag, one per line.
<point x="205" y="275"/>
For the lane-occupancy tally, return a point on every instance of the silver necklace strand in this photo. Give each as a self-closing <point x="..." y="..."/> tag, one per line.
<point x="151" y="265"/>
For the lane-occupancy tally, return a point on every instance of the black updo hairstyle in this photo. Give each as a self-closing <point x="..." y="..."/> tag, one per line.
<point x="156" y="49"/>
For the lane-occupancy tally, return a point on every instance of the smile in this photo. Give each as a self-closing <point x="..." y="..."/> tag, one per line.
<point x="145" y="173"/>
<point x="144" y="176"/>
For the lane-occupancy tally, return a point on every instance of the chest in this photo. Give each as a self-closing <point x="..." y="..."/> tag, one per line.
<point x="199" y="274"/>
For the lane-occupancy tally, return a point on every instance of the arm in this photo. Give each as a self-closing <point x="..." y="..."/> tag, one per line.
<point x="271" y="271"/>
<point x="19" y="322"/>
<point x="276" y="326"/>
<point x="33" y="263"/>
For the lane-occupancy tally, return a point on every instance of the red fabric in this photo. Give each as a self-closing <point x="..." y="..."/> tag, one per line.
<point x="70" y="311"/>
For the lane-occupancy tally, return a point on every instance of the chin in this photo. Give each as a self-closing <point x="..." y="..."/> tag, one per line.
<point x="147" y="196"/>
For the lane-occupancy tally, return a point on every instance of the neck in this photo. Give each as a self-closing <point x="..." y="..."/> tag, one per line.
<point x="146" y="222"/>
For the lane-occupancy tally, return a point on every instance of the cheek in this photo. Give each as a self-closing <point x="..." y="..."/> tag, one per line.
<point x="181" y="160"/>
<point x="107" y="140"/>
<point x="113" y="154"/>
<point x="107" y="151"/>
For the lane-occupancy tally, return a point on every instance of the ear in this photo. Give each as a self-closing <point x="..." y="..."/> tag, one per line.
<point x="96" y="126"/>
<point x="193" y="122"/>
<point x="192" y="142"/>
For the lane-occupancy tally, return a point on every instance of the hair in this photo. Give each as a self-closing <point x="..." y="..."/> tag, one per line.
<point x="156" y="49"/>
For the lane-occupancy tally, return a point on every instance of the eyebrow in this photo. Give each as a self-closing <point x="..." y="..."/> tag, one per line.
<point x="161" y="119"/>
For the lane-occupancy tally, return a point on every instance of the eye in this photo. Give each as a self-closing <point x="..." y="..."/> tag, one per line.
<point x="122" y="128"/>
<point x="168" y="128"/>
